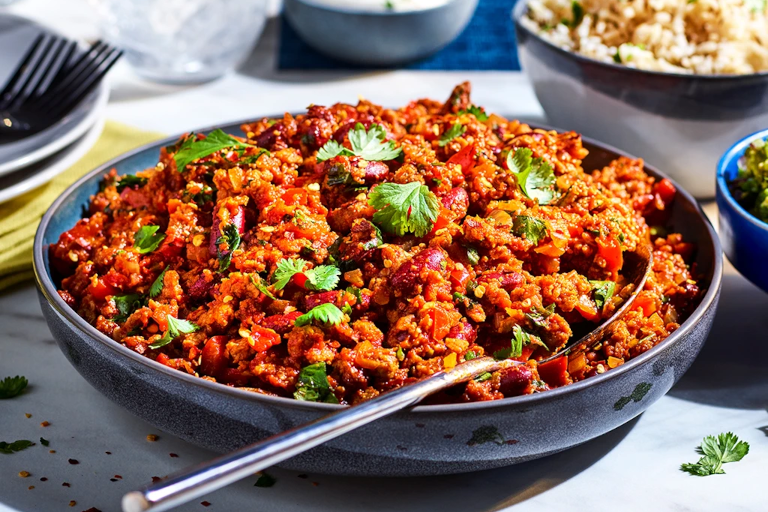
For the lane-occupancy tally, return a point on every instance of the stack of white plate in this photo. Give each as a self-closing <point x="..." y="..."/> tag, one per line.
<point x="33" y="161"/>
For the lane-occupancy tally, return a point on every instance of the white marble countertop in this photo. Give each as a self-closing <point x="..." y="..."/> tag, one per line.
<point x="633" y="468"/>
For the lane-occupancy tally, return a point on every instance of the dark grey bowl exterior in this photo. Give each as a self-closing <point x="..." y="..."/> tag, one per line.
<point x="680" y="122"/>
<point x="427" y="440"/>
<point x="378" y="38"/>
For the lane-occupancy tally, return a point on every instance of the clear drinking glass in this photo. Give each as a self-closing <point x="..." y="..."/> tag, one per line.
<point x="182" y="41"/>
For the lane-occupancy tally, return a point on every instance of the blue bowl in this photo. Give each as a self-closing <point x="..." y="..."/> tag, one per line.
<point x="744" y="237"/>
<point x="425" y="440"/>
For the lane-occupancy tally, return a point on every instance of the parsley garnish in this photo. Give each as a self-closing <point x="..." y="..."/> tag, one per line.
<point x="175" y="328"/>
<point x="147" y="239"/>
<point x="370" y="145"/>
<point x="519" y="338"/>
<point x="262" y="287"/>
<point x="231" y="236"/>
<point x="15" y="446"/>
<point x="126" y="305"/>
<point x="717" y="451"/>
<point x="157" y="285"/>
<point x="578" y="14"/>
<point x="324" y="277"/>
<point x="603" y="291"/>
<point x="534" y="175"/>
<point x="192" y="149"/>
<point x="327" y="314"/>
<point x="265" y="480"/>
<point x="44" y="441"/>
<point x="404" y="208"/>
<point x="476" y="111"/>
<point x="313" y="386"/>
<point x="451" y="133"/>
<point x="12" y="386"/>
<point x="130" y="180"/>
<point x="532" y="228"/>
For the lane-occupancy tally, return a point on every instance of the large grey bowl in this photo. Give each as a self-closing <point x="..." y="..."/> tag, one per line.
<point x="426" y="440"/>
<point x="378" y="38"/>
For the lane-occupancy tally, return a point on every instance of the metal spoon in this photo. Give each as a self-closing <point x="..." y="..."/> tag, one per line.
<point x="210" y="476"/>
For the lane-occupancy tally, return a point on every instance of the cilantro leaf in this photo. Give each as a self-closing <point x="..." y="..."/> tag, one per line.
<point x="532" y="228"/>
<point x="312" y="385"/>
<point x="578" y="14"/>
<point x="451" y="133"/>
<point x="404" y="208"/>
<point x="231" y="236"/>
<point x="286" y="269"/>
<point x="265" y="480"/>
<point x="147" y="239"/>
<point x="717" y="451"/>
<point x="44" y="441"/>
<point x="327" y="314"/>
<point x="372" y="144"/>
<point x="157" y="285"/>
<point x="192" y="149"/>
<point x="12" y="386"/>
<point x="15" y="446"/>
<point x="130" y="180"/>
<point x="476" y="111"/>
<point x="331" y="149"/>
<point x="126" y="305"/>
<point x="324" y="277"/>
<point x="176" y="327"/>
<point x="262" y="287"/>
<point x="519" y="338"/>
<point x="534" y="175"/>
<point x="603" y="292"/>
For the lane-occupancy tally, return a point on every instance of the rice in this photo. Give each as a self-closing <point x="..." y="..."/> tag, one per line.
<point x="706" y="37"/>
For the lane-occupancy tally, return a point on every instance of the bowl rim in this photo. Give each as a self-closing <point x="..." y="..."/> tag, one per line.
<point x="521" y="8"/>
<point x="49" y="291"/>
<point x="350" y="10"/>
<point x="735" y="152"/>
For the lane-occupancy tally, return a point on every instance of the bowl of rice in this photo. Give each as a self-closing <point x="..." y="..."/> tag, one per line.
<point x="674" y="80"/>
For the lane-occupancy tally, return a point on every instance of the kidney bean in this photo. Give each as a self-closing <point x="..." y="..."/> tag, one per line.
<point x="463" y="331"/>
<point x="508" y="281"/>
<point x="315" y="299"/>
<point x="514" y="380"/>
<point x="269" y="137"/>
<point x="375" y="171"/>
<point x="457" y="200"/>
<point x="406" y="276"/>
<point x="238" y="219"/>
<point x="341" y="133"/>
<point x="281" y="324"/>
<point x="214" y="357"/>
<point x="201" y="288"/>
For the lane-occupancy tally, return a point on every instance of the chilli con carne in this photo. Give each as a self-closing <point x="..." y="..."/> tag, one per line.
<point x="350" y="250"/>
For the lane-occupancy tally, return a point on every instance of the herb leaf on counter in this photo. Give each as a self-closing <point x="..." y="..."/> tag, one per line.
<point x="401" y="209"/>
<point x="716" y="452"/>
<point x="12" y="386"/>
<point x="15" y="446"/>
<point x="313" y="386"/>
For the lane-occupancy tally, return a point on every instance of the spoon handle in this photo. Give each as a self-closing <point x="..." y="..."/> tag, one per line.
<point x="210" y="476"/>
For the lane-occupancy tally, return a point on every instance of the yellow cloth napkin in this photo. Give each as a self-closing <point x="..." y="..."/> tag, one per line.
<point x="19" y="217"/>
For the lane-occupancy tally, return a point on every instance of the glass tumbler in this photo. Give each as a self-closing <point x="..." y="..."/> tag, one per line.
<point x="182" y="41"/>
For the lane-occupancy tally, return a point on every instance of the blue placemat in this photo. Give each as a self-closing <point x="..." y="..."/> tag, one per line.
<point x="488" y="43"/>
